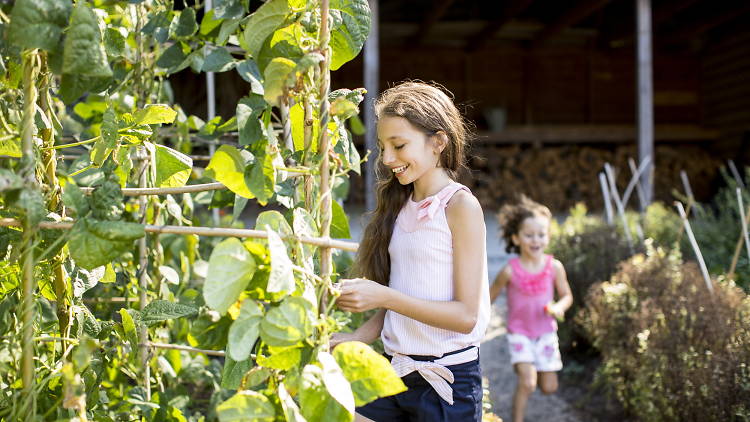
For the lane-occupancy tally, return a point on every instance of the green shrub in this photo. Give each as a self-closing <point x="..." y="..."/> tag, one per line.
<point x="589" y="249"/>
<point x="671" y="351"/>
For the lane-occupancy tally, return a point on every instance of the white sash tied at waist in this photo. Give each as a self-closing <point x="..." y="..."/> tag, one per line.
<point x="435" y="372"/>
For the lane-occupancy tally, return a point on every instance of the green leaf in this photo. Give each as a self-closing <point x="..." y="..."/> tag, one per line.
<point x="297" y="117"/>
<point x="287" y="324"/>
<point x="228" y="167"/>
<point x="290" y="408"/>
<point x="219" y="60"/>
<point x="172" y="57"/>
<point x="114" y="42"/>
<point x="370" y="374"/>
<point x="153" y="114"/>
<point x="128" y="325"/>
<point x="281" y="278"/>
<point x="173" y="168"/>
<point x="263" y="178"/>
<point x="279" y="75"/>
<point x="245" y="330"/>
<point x="107" y="200"/>
<point x="83" y="280"/>
<point x="210" y="22"/>
<point x="281" y="358"/>
<point x="231" y="375"/>
<point x="93" y="244"/>
<point x="339" y="222"/>
<point x="10" y="146"/>
<point x="109" y="138"/>
<point x="38" y="23"/>
<point x="84" y="53"/>
<point x="228" y="9"/>
<point x="72" y="86"/>
<point x="316" y="403"/>
<point x="248" y="111"/>
<point x="185" y="25"/>
<point x="162" y="310"/>
<point x="74" y="198"/>
<point x="351" y="25"/>
<point x="336" y="384"/>
<point x="263" y="22"/>
<point x="249" y="71"/>
<point x="284" y="42"/>
<point x="275" y="220"/>
<point x="230" y="268"/>
<point x="246" y="406"/>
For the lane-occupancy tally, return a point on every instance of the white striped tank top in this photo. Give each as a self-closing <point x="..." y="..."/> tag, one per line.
<point x="421" y="252"/>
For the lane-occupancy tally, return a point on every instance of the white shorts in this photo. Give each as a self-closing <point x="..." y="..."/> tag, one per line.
<point x="543" y="352"/>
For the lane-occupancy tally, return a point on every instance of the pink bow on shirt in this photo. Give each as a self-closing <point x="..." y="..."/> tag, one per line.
<point x="428" y="207"/>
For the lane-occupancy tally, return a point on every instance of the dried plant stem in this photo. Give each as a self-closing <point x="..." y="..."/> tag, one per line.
<point x="745" y="220"/>
<point x="696" y="249"/>
<point x="607" y="199"/>
<point x="323" y="146"/>
<point x="620" y="209"/>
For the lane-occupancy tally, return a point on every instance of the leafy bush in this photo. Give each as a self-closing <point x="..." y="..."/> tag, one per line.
<point x="672" y="351"/>
<point x="589" y="249"/>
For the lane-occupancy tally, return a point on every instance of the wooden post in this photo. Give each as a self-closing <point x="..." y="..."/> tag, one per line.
<point x="371" y="76"/>
<point x="645" y="98"/>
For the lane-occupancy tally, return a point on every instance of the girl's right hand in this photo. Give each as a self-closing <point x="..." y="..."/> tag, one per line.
<point x="339" y="337"/>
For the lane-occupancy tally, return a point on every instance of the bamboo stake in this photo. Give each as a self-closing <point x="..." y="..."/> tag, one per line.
<point x="736" y="174"/>
<point x="144" y="352"/>
<point x="745" y="219"/>
<point x="323" y="242"/>
<point x="620" y="209"/>
<point x="323" y="145"/>
<point x="166" y="191"/>
<point x="218" y="353"/>
<point x="606" y="197"/>
<point x="28" y="169"/>
<point x="635" y="182"/>
<point x="696" y="249"/>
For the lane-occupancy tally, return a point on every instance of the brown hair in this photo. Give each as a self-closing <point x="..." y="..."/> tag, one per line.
<point x="511" y="216"/>
<point x="430" y="109"/>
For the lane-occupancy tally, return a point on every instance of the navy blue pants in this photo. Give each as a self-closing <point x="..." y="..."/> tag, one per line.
<point x="421" y="403"/>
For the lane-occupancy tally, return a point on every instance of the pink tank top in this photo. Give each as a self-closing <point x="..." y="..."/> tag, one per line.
<point x="421" y="251"/>
<point x="527" y="295"/>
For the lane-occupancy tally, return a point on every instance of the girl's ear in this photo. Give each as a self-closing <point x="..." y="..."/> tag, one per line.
<point x="441" y="141"/>
<point x="514" y="239"/>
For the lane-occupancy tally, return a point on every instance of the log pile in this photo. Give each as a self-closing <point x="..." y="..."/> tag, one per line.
<point x="561" y="176"/>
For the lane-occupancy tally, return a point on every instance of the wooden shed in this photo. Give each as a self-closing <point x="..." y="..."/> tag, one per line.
<point x="552" y="88"/>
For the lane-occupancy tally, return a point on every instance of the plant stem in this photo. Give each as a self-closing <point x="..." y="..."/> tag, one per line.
<point x="28" y="168"/>
<point x="143" y="278"/>
<point x="325" y="171"/>
<point x="75" y="144"/>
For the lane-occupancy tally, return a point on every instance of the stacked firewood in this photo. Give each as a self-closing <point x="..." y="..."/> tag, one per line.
<point x="561" y="176"/>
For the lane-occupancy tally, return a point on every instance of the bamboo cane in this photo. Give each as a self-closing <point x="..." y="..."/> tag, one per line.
<point x="745" y="220"/>
<point x="323" y="242"/>
<point x="696" y="249"/>
<point x="620" y="209"/>
<point x="323" y="146"/>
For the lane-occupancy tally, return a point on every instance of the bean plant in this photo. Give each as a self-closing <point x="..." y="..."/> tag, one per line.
<point x="120" y="297"/>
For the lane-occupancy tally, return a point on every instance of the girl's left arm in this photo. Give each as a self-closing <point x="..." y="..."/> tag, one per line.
<point x="466" y="221"/>
<point x="564" y="294"/>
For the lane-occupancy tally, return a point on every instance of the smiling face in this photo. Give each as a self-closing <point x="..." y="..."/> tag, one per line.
<point x="405" y="150"/>
<point x="533" y="236"/>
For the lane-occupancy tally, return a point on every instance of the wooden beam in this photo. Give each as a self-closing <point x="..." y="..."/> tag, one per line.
<point x="478" y="41"/>
<point x="371" y="76"/>
<point x="693" y="29"/>
<point x="600" y="133"/>
<point x="429" y="21"/>
<point x="625" y="35"/>
<point x="645" y="100"/>
<point x="570" y="18"/>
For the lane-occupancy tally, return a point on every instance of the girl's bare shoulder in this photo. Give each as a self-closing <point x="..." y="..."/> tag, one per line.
<point x="464" y="204"/>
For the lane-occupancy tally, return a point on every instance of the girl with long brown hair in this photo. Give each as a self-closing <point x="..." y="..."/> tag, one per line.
<point x="422" y="262"/>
